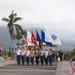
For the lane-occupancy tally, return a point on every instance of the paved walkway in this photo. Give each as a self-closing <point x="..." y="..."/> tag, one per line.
<point x="62" y="68"/>
<point x="6" y="63"/>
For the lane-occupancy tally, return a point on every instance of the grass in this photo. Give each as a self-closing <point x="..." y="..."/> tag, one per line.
<point x="8" y="58"/>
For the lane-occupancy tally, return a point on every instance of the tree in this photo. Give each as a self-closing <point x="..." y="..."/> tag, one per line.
<point x="18" y="35"/>
<point x="11" y="20"/>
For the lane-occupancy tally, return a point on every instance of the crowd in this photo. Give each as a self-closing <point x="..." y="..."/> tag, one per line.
<point x="39" y="56"/>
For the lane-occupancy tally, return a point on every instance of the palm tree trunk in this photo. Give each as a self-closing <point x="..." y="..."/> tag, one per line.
<point x="12" y="44"/>
<point x="12" y="49"/>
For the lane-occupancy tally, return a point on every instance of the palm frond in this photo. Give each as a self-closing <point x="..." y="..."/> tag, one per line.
<point x="17" y="37"/>
<point x="18" y="30"/>
<point x="17" y="19"/>
<point x="5" y="19"/>
<point x="18" y="26"/>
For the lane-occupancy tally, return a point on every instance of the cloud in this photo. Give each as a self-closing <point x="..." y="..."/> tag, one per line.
<point x="57" y="16"/>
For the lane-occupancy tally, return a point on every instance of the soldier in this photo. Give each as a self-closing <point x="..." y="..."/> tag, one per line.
<point x="37" y="56"/>
<point x="27" y="56"/>
<point x="23" y="56"/>
<point x="50" y="56"/>
<point x="18" y="55"/>
<point x="60" y="55"/>
<point x="32" y="56"/>
<point x="42" y="54"/>
<point x="46" y="57"/>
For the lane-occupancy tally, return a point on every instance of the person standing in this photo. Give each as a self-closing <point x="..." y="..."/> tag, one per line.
<point x="60" y="55"/>
<point x="50" y="56"/>
<point x="18" y="55"/>
<point x="27" y="56"/>
<point x="57" y="55"/>
<point x="23" y="56"/>
<point x="46" y="57"/>
<point x="37" y="56"/>
<point x="1" y="54"/>
<point x="32" y="56"/>
<point x="42" y="54"/>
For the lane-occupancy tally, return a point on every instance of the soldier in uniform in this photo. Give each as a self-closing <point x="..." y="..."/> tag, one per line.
<point x="42" y="54"/>
<point x="46" y="57"/>
<point x="32" y="56"/>
<point x="23" y="56"/>
<point x="37" y="56"/>
<point x="27" y="56"/>
<point x="50" y="56"/>
<point x="18" y="55"/>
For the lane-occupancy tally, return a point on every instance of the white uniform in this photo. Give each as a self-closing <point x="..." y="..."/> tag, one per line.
<point x="27" y="53"/>
<point x="18" y="52"/>
<point x="23" y="53"/>
<point x="46" y="54"/>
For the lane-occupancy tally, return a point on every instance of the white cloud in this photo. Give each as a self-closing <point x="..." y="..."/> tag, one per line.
<point x="57" y="16"/>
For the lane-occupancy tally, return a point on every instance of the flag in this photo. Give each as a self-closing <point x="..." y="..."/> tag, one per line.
<point x="48" y="39"/>
<point x="28" y="36"/>
<point x="33" y="39"/>
<point x="49" y="43"/>
<point x="29" y="39"/>
<point x="38" y="39"/>
<point x="23" y="37"/>
<point x="25" y="46"/>
<point x="55" y="40"/>
<point x="43" y="37"/>
<point x="37" y="36"/>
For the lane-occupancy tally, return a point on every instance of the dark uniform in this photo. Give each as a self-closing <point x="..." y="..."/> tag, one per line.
<point x="32" y="56"/>
<point x="18" y="56"/>
<point x="37" y="57"/>
<point x="23" y="56"/>
<point x="27" y="56"/>
<point x="42" y="54"/>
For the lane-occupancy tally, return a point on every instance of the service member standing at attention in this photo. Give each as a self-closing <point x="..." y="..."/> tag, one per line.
<point x="37" y="56"/>
<point x="32" y="56"/>
<point x="27" y="56"/>
<point x="46" y="57"/>
<point x="23" y="56"/>
<point x="42" y="54"/>
<point x="18" y="55"/>
<point x="50" y="56"/>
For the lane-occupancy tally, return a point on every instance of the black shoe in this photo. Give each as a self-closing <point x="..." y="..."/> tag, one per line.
<point x="22" y="63"/>
<point x="50" y="64"/>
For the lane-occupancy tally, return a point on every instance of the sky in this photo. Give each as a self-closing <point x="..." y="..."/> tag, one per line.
<point x="56" y="16"/>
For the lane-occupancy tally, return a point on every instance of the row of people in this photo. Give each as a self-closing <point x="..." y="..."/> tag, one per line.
<point x="37" y="54"/>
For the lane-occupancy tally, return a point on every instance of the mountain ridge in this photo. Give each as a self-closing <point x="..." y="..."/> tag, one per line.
<point x="5" y="39"/>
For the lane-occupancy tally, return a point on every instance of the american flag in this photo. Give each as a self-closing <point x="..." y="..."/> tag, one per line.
<point x="25" y="46"/>
<point x="33" y="39"/>
<point x="23" y="37"/>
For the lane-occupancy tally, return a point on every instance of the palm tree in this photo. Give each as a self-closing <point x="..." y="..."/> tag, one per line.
<point x="11" y="20"/>
<point x="18" y="35"/>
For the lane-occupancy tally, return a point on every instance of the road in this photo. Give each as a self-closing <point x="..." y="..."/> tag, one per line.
<point x="14" y="69"/>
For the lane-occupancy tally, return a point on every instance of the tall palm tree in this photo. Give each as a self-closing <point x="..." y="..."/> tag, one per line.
<point x="11" y="20"/>
<point x="18" y="35"/>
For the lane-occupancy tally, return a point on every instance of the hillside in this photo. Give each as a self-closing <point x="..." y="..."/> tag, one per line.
<point x="5" y="38"/>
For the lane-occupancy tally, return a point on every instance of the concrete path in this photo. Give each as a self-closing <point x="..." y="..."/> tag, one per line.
<point x="6" y="63"/>
<point x="62" y="69"/>
<point x="11" y="68"/>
